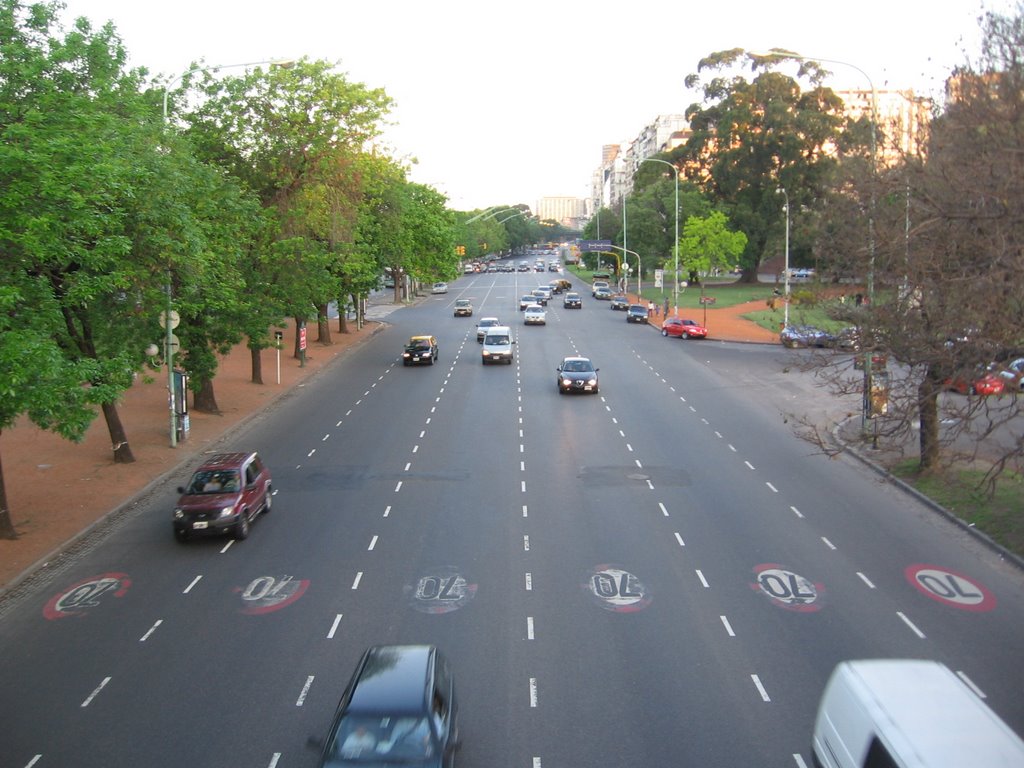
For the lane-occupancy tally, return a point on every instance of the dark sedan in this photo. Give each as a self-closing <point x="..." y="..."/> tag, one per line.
<point x="577" y="374"/>
<point x="794" y="336"/>
<point x="637" y="313"/>
<point x="620" y="302"/>
<point x="572" y="301"/>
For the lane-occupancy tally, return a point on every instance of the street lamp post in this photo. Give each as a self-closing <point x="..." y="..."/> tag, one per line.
<point x="785" y="298"/>
<point x="169" y="349"/>
<point x="675" y="280"/>
<point x="866" y="401"/>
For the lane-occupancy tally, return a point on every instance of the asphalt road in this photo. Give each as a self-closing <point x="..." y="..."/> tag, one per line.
<point x="658" y="574"/>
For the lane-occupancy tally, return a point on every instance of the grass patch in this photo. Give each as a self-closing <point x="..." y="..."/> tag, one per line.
<point x="998" y="515"/>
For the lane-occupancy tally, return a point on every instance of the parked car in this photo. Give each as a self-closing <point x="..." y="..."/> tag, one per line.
<point x="577" y="374"/>
<point x="483" y="325"/>
<point x="620" y="302"/>
<point x="1012" y="374"/>
<point x="399" y="708"/>
<point x="681" y="328"/>
<point x="225" y="495"/>
<point x="439" y="288"/>
<point x="534" y="315"/>
<point x="572" y="300"/>
<point x="983" y="381"/>
<point x="794" y="336"/>
<point x="420" y="349"/>
<point x="636" y="313"/>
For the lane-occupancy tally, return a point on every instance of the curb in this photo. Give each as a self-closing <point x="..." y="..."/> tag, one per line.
<point x="981" y="536"/>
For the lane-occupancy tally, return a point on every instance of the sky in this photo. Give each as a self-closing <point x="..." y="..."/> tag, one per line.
<point x="505" y="104"/>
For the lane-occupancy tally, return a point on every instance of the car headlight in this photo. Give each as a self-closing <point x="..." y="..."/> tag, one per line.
<point x="486" y="353"/>
<point x="226" y="511"/>
<point x="592" y="382"/>
<point x="178" y="513"/>
<point x="566" y="382"/>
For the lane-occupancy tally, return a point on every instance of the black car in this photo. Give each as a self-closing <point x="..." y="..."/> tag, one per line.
<point x="637" y="313"/>
<point x="577" y="374"/>
<point x="620" y="302"/>
<point x="399" y="708"/>
<point x="572" y="301"/>
<point x="420" y="349"/>
<point x="794" y="336"/>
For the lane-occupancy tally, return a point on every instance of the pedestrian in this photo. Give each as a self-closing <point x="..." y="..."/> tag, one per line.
<point x="650" y="309"/>
<point x="666" y="306"/>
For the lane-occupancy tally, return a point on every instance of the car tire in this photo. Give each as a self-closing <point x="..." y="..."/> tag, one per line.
<point x="405" y="363"/>
<point x="268" y="500"/>
<point x="241" y="531"/>
<point x="686" y="336"/>
<point x="664" y="333"/>
<point x="181" y="535"/>
<point x="509" y="361"/>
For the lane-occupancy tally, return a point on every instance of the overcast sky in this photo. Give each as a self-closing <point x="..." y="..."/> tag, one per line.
<point x="503" y="104"/>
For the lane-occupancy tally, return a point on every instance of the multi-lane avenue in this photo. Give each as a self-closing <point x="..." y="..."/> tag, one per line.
<point x="659" y="574"/>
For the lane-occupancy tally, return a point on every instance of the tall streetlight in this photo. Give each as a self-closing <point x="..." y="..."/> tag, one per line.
<point x="169" y="313"/>
<point x="785" y="298"/>
<point x="780" y="53"/>
<point x="634" y="253"/>
<point x="675" y="281"/>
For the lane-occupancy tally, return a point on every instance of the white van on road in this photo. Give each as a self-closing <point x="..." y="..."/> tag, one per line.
<point x="908" y="713"/>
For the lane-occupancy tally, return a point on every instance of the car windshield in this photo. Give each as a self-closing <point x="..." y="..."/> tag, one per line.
<point x="215" y="481"/>
<point x="497" y="341"/>
<point x="576" y="366"/>
<point x="420" y="343"/>
<point x="384" y="739"/>
<point x="462" y="302"/>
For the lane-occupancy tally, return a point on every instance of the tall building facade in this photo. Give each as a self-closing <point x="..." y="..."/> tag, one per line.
<point x="568" y="211"/>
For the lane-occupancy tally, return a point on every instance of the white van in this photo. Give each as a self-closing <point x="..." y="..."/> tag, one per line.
<point x="497" y="345"/>
<point x="896" y="713"/>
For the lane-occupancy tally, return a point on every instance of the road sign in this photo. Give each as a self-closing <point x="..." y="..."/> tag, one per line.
<point x="175" y="344"/>
<point x="175" y="319"/>
<point x="707" y="299"/>
<point x="595" y="245"/>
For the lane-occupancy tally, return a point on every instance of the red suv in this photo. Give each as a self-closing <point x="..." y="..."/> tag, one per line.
<point x="224" y="496"/>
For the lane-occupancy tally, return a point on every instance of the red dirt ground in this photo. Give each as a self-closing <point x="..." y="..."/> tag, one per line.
<point x="56" y="489"/>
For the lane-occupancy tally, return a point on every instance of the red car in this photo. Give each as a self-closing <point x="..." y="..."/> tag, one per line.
<point x="986" y="381"/>
<point x="686" y="329"/>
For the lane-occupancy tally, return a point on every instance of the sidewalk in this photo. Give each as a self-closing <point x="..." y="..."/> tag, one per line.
<point x="57" y="489"/>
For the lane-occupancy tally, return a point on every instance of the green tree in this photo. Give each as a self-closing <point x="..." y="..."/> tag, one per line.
<point x="752" y="136"/>
<point x="706" y="244"/>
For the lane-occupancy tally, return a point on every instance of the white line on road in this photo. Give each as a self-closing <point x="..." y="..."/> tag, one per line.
<point x="623" y="434"/>
<point x="732" y="447"/>
<point x="718" y="434"/>
<point x="529" y="582"/>
<point x="526" y="543"/>
<point x="422" y="433"/>
<point x="415" y="448"/>
<point x="407" y="465"/>
<point x="536" y="762"/>
<point x="797" y="512"/>
<point x="865" y="579"/>
<point x="828" y="543"/>
<point x="650" y="485"/>
<point x="799" y="760"/>
<point x="96" y="693"/>
<point x="227" y="546"/>
<point x="910" y="624"/>
<point x="728" y="626"/>
<point x="398" y="487"/>
<point x="760" y="688"/>
<point x="629" y="447"/>
<point x="334" y="626"/>
<point x="749" y="465"/>
<point x="663" y="510"/>
<point x="373" y="543"/>
<point x="152" y="629"/>
<point x="522" y="486"/>
<point x="522" y="466"/>
<point x="194" y="582"/>
<point x="533" y="691"/>
<point x="970" y="684"/>
<point x="311" y="453"/>
<point x="700" y="575"/>
<point x="524" y="511"/>
<point x="641" y="466"/>
<point x="325" y="438"/>
<point x="529" y="628"/>
<point x="37" y="758"/>
<point x="771" y="487"/>
<point x="680" y="540"/>
<point x="305" y="690"/>
<point x="273" y="760"/>
<point x="387" y="510"/>
<point x="355" y="584"/>
<point x="338" y="424"/>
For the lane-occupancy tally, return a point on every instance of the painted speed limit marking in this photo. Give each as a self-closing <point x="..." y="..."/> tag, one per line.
<point x="84" y="595"/>
<point x="950" y="587"/>
<point x="441" y="591"/>
<point x="787" y="589"/>
<point x="616" y="589"/>
<point x="271" y="593"/>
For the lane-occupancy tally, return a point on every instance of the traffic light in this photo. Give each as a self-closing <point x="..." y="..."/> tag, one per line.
<point x="460" y="250"/>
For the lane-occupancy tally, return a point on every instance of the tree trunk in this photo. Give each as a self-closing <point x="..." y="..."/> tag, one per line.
<point x="323" y="327"/>
<point x="256" y="355"/>
<point x="204" y="400"/>
<point x="118" y="438"/>
<point x="299" y="325"/>
<point x="6" y="524"/>
<point x="342" y="319"/>
<point x="928" y="413"/>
